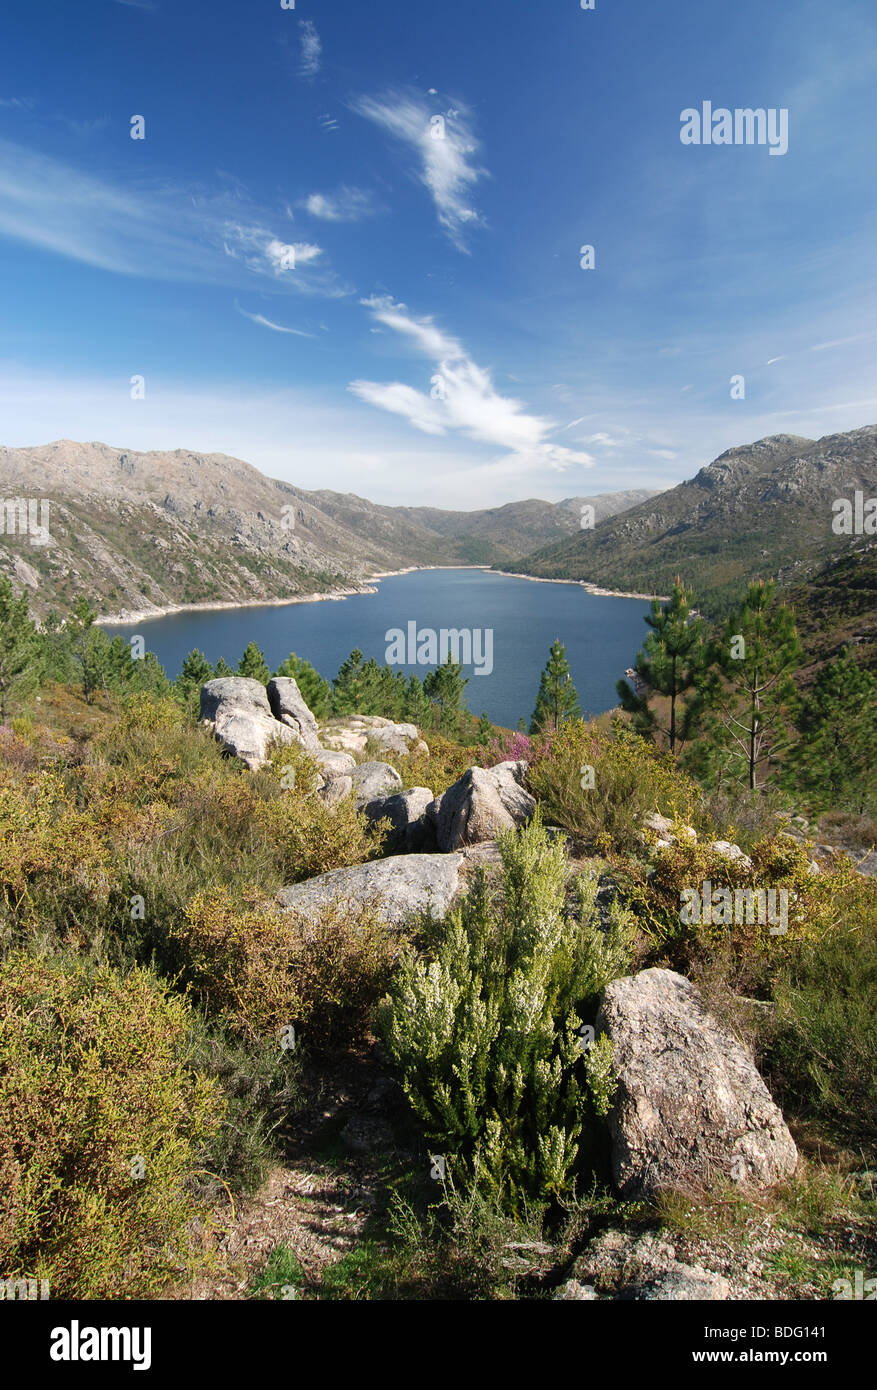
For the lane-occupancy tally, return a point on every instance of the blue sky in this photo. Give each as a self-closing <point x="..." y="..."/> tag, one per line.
<point x="306" y="278"/>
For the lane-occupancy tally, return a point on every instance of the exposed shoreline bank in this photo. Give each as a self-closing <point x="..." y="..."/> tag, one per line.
<point x="124" y="618"/>
<point x="145" y="615"/>
<point x="583" y="584"/>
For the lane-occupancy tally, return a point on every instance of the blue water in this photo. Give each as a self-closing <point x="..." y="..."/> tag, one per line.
<point x="601" y="635"/>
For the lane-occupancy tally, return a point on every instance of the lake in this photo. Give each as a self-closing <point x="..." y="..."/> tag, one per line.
<point x="601" y="635"/>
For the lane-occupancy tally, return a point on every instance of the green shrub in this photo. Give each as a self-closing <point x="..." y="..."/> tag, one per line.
<point x="660" y="900"/>
<point x="311" y="837"/>
<point x="94" y="1077"/>
<point x="263" y="1090"/>
<point x="486" y="1033"/>
<point x="822" y="1045"/>
<point x="630" y="776"/>
<point x="261" y="970"/>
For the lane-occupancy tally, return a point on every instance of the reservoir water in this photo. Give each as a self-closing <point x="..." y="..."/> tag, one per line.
<point x="601" y="635"/>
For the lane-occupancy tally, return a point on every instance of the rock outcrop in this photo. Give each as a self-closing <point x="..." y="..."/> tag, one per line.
<point x="371" y="780"/>
<point x="397" y="887"/>
<point x="288" y="705"/>
<point x="237" y="710"/>
<point x="410" y="831"/>
<point x="690" y="1108"/>
<point x="355" y="731"/>
<point x="480" y="804"/>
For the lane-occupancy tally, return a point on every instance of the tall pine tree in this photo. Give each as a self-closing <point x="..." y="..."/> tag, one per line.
<point x="668" y="665"/>
<point x="748" y="694"/>
<point x="557" y="699"/>
<point x="444" y="689"/>
<point x="254" y="665"/>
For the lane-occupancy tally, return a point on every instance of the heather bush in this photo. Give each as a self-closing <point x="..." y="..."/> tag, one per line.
<point x="630" y="778"/>
<point x="102" y="1125"/>
<point x="261" y="971"/>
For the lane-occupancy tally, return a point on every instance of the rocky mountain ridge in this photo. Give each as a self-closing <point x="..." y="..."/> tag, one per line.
<point x="144" y="532"/>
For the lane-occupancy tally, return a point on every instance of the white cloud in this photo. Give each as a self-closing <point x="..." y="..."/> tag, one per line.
<point x="275" y="327"/>
<point x="311" y="49"/>
<point x="163" y="234"/>
<point x="444" y="145"/>
<point x="605" y="440"/>
<point x="345" y="205"/>
<point x="841" y="342"/>
<point x="462" y="397"/>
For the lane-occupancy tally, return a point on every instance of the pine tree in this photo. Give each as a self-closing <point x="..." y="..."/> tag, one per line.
<point x="747" y="692"/>
<point x="486" y="733"/>
<point x="832" y="764"/>
<point x="195" y="670"/>
<point x="444" y="689"/>
<point x="669" y="665"/>
<point x="316" y="692"/>
<point x="254" y="665"/>
<point x="347" y="687"/>
<point x="20" y="649"/>
<point x="557" y="699"/>
<point x="222" y="669"/>
<point x="416" y="708"/>
<point x="86" y="646"/>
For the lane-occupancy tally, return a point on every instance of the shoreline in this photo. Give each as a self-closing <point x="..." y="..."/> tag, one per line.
<point x="145" y="615"/>
<point x="584" y="584"/>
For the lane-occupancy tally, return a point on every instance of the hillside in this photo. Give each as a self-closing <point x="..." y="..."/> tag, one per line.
<point x="140" y="532"/>
<point x="758" y="510"/>
<point x="837" y="608"/>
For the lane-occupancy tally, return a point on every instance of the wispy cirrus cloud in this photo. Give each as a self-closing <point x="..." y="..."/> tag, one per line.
<point x="311" y="49"/>
<point x="462" y="397"/>
<point x="344" y="205"/>
<point x="269" y="323"/>
<point x="165" y="233"/>
<point x="444" y="146"/>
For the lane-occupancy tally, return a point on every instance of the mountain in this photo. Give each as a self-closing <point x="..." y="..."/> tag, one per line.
<point x="759" y="510"/>
<point x="488" y="537"/>
<point x="141" y="532"/>
<point x="837" y="607"/>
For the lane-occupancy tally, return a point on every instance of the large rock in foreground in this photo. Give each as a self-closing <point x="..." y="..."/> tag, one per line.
<point x="480" y="804"/>
<point x="397" y="887"/>
<point x="691" y="1108"/>
<point x="237" y="710"/>
<point x="288" y="705"/>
